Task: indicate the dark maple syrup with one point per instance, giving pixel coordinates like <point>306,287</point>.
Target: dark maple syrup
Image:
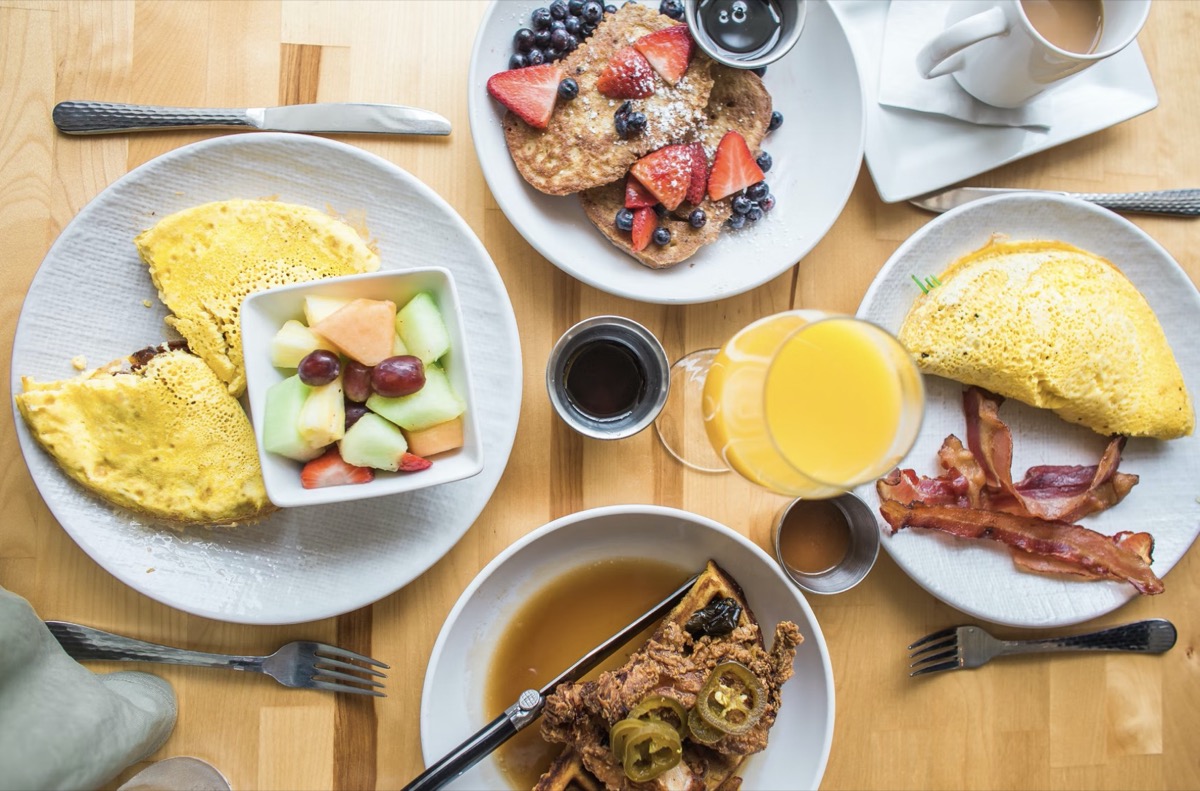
<point>741,26</point>
<point>605,379</point>
<point>814,536</point>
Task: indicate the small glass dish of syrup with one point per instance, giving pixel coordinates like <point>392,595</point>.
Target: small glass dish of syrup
<point>608,377</point>
<point>826,546</point>
<point>745,34</point>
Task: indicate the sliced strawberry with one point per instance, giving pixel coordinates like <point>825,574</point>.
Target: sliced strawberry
<point>668,50</point>
<point>330,470</point>
<point>529,92</point>
<point>644,222</point>
<point>411,462</point>
<point>637,196</point>
<point>699,183</point>
<point>733,167</point>
<point>666,173</point>
<point>627,76</point>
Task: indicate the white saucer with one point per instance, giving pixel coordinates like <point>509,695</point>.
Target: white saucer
<point>910,153</point>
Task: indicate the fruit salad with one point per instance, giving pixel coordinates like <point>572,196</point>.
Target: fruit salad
<point>368,392</point>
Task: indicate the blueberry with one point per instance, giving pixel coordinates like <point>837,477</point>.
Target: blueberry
<point>672,8</point>
<point>761,71</point>
<point>572,25</point>
<point>575,7</point>
<point>776,121</point>
<point>621,122</point>
<point>636,123</point>
<point>541,39</point>
<point>754,215</point>
<point>764,162</point>
<point>518,61</point>
<point>558,9</point>
<point>568,89</point>
<point>572,43</point>
<point>660,210</point>
<point>757,192</point>
<point>741,204</point>
<point>541,18</point>
<point>662,235</point>
<point>767,203</point>
<point>697,218</point>
<point>558,39</point>
<point>624,220</point>
<point>557,24</point>
<point>610,9</point>
<point>536,57</point>
<point>592,12</point>
<point>587,30</point>
<point>523,40</point>
<point>736,221</point>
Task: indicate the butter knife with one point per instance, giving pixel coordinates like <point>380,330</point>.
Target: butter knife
<point>95,118</point>
<point>529,706</point>
<point>1181,203</point>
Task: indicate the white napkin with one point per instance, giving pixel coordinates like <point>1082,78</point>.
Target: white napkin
<point>61,725</point>
<point>912,23</point>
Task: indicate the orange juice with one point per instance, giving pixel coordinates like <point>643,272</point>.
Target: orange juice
<point>809,405</point>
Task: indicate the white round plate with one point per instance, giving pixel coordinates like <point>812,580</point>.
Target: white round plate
<point>452,700</point>
<point>978,577</point>
<point>298,564</point>
<point>817,153</point>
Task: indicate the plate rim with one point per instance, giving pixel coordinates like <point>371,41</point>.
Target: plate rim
<point>28,444</point>
<point>660,511</point>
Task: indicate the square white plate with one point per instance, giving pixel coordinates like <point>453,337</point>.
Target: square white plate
<point>910,153</point>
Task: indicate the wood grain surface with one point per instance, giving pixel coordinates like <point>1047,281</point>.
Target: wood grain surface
<point>1112,721</point>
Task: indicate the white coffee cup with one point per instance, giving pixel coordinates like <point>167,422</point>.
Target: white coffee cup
<point>997,56</point>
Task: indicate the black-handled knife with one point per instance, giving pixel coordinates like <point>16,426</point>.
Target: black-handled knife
<point>529,706</point>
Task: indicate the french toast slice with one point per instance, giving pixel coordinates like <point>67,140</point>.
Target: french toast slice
<point>738,102</point>
<point>580,148</point>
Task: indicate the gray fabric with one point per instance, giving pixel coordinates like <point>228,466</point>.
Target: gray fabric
<point>61,725</point>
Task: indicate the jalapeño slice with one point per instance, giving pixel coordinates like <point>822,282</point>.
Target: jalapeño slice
<point>651,750</point>
<point>701,731</point>
<point>660,708</point>
<point>733,699</point>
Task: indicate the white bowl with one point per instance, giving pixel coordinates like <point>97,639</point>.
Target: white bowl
<point>262,315</point>
<point>452,701</point>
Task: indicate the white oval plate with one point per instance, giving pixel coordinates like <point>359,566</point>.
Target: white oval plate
<point>298,564</point>
<point>978,577</point>
<point>817,154</point>
<point>452,700</point>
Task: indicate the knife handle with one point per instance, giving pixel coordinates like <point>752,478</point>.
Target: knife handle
<point>466,755</point>
<point>1184,202</point>
<point>94,118</point>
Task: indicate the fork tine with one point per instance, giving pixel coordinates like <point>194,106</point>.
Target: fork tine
<point>323,673</point>
<point>331,687</point>
<point>935,668</point>
<point>322,661</point>
<point>947,643</point>
<point>949,630</point>
<point>925,660</point>
<point>342,653</point>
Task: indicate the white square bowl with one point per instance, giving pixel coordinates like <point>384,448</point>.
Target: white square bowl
<point>264,312</point>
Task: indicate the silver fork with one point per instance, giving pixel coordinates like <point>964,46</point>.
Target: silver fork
<point>965,647</point>
<point>302,664</point>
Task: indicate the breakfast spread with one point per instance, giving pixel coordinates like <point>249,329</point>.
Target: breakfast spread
<point>1056,327</point>
<point>205,260</point>
<point>661,143</point>
<point>368,392</point>
<point>157,433</point>
<point>685,710</point>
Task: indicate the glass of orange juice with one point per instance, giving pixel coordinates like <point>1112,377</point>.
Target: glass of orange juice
<point>805,403</point>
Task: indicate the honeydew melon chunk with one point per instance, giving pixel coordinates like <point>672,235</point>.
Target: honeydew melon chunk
<point>434,403</point>
<point>281,420</point>
<point>398,346</point>
<point>373,442</point>
<point>322,419</point>
<point>436,439</point>
<point>362,329</point>
<point>317,308</point>
<point>293,342</point>
<point>421,328</point>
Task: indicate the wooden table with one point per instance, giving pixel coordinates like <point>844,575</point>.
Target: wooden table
<point>1094,722</point>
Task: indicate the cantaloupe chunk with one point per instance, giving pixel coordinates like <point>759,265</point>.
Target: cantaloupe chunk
<point>363,329</point>
<point>436,439</point>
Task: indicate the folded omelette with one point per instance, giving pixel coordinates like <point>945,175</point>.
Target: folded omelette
<point>1055,327</point>
<point>205,260</point>
<point>158,434</point>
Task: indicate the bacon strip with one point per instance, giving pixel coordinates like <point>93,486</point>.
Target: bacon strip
<point>1141,544</point>
<point>1072,545</point>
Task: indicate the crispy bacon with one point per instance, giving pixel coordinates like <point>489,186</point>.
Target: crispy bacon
<point>1141,544</point>
<point>1074,547</point>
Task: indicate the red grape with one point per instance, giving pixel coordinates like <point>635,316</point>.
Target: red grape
<point>398,376</point>
<point>356,385</point>
<point>354,412</point>
<point>319,367</point>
